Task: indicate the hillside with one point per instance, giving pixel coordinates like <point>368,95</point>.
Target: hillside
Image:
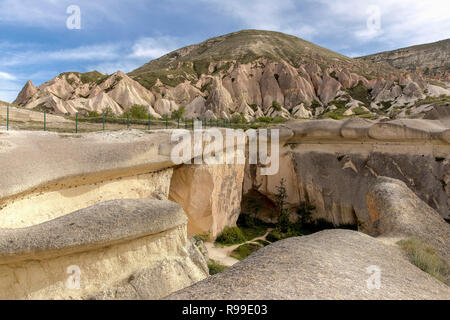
<point>244,47</point>
<point>431,59</point>
<point>246,75</point>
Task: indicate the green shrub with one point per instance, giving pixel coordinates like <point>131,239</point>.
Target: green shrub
<point>245,250</point>
<point>315,104</point>
<point>252,227</point>
<point>239,118</point>
<point>359,111</point>
<point>426,258</point>
<point>334,116</point>
<point>93,114</point>
<point>276,105</point>
<point>215,267</point>
<point>277,234</point>
<point>179,114</point>
<point>203,237</point>
<point>136,112</point>
<point>360,93</point>
<point>231,236</point>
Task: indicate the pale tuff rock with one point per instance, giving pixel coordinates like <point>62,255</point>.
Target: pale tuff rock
<point>436,91</point>
<point>270,89</point>
<point>273,113</point>
<point>219,100</point>
<point>196,108</point>
<point>333,175</point>
<point>395,211</point>
<point>209,194</point>
<point>26,94</point>
<point>331,264</point>
<point>165,107</point>
<point>295,89</point>
<point>67,94</point>
<point>111,244</point>
<point>328,89</point>
<point>127,92</point>
<point>243,84</point>
<point>301,112</point>
<point>183,94</point>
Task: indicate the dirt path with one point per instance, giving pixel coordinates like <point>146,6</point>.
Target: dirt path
<point>222,254</point>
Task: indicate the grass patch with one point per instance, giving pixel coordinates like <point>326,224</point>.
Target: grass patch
<point>245,250</point>
<point>426,258</point>
<point>215,267</point>
<point>359,111</point>
<point>360,93</point>
<point>276,105</point>
<point>202,237</point>
<point>252,227</point>
<point>263,242</point>
<point>231,236</point>
<point>441,101</point>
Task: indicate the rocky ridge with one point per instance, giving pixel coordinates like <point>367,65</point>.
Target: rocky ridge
<point>247,74</point>
<point>431,59</point>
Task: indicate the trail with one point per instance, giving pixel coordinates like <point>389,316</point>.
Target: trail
<point>222,254</point>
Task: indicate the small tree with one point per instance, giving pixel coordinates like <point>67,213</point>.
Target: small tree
<point>136,112</point>
<point>280,197</point>
<point>276,105</point>
<point>179,114</point>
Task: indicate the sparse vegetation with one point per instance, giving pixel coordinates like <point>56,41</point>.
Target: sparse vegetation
<point>215,267</point>
<point>231,236</point>
<point>245,250</point>
<point>426,258</point>
<point>271,120</point>
<point>442,100</point>
<point>276,105</point>
<point>136,112</point>
<point>179,114</point>
<point>202,237</point>
<point>360,93</point>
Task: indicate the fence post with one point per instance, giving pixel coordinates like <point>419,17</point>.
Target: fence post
<point>76,122</point>
<point>185,124</point>
<point>45,120</point>
<point>7,118</point>
<point>193,124</point>
<point>128,121</point>
<point>103,121</point>
<point>167,121</point>
<point>149,124</point>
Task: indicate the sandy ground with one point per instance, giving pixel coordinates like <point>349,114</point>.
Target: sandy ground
<point>222,254</point>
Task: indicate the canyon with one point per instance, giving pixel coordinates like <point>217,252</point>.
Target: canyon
<point>115,205</point>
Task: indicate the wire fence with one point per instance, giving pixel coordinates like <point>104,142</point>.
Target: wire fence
<point>22,119</point>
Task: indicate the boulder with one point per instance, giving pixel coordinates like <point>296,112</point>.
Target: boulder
<point>395,211</point>
<point>332,264</point>
<point>118,248</point>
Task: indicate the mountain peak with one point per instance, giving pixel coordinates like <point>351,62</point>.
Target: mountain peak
<point>28,91</point>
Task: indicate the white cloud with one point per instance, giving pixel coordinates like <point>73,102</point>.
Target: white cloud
<point>9,88</point>
<point>151,48</point>
<point>7,76</point>
<point>402,22</point>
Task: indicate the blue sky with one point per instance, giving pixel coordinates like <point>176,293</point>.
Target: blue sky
<point>36,44</point>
